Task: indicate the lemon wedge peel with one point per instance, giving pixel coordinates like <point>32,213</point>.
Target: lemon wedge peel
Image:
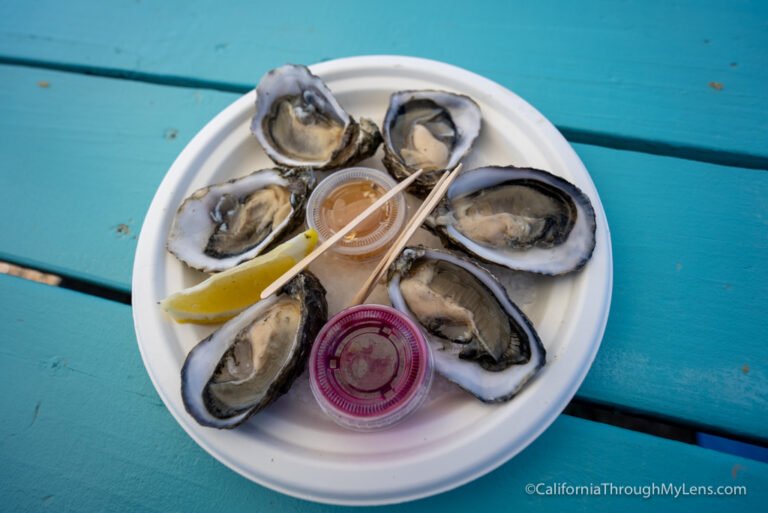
<point>223,295</point>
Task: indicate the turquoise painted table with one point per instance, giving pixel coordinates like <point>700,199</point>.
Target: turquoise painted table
<point>665,102</point>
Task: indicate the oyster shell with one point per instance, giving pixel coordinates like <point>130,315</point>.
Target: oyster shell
<point>479,338</point>
<point>222,225</point>
<point>430,130</point>
<point>524,219</point>
<point>254,358</point>
<point>299,123</point>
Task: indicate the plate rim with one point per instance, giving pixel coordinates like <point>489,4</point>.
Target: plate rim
<point>355,65</point>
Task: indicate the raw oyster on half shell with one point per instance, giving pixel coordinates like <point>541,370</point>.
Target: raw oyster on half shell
<point>524,219</point>
<point>299,123</point>
<point>222,225</point>
<point>479,338</point>
<point>254,358</point>
<point>430,130</point>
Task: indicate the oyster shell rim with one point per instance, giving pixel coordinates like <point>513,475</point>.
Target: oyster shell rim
<point>442,360</point>
<point>176,240</point>
<point>359,140</point>
<point>585,225</point>
<point>314,314</point>
<point>393,161</point>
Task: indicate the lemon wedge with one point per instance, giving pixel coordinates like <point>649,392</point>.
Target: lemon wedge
<point>224,295</point>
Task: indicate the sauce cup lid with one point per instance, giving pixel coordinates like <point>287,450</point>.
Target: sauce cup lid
<point>370,366</point>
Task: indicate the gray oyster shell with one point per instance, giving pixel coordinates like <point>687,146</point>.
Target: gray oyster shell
<point>479,338</point>
<point>222,225</point>
<point>427,129</point>
<point>521,218</point>
<point>254,358</point>
<point>299,123</point>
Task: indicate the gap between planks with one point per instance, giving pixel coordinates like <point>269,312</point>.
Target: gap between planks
<point>572,134</point>
<point>55,278</point>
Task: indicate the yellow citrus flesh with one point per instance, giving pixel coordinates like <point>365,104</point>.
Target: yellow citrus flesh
<point>224,295</point>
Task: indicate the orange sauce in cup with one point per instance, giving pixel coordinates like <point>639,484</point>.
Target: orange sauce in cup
<point>347,201</point>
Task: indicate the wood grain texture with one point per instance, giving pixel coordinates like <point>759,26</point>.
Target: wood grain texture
<point>686,77</point>
<point>689,239</point>
<point>85,431</point>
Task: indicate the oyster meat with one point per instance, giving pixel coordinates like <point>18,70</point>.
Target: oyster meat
<point>524,219</point>
<point>254,358</point>
<point>479,338</point>
<point>299,123</point>
<point>222,225</point>
<point>430,130</point>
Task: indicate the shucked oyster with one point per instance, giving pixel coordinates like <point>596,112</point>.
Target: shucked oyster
<point>254,358</point>
<point>299,123</point>
<point>219,226</point>
<point>430,130</point>
<point>524,219</point>
<point>479,338</point>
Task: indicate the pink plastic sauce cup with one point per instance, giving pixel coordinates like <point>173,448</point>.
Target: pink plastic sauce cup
<point>370,366</point>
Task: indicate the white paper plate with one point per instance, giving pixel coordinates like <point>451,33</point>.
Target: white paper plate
<point>291,446</point>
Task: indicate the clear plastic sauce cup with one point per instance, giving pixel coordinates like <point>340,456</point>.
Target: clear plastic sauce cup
<point>370,366</point>
<point>344,194</point>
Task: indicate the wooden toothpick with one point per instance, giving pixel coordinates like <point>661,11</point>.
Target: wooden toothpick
<point>424,210</point>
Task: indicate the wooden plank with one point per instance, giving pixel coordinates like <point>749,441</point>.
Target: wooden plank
<point>686,333</point>
<point>684,77</point>
<point>81,160</point>
<point>684,233</point>
<point>85,431</point>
